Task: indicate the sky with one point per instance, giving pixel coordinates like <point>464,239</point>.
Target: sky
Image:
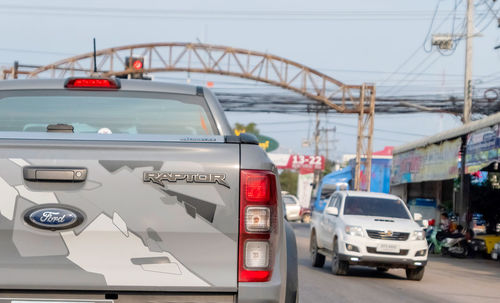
<point>386,42</point>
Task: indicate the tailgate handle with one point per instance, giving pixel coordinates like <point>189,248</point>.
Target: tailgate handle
<point>50,174</point>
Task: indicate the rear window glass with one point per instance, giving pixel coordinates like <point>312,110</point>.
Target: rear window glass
<point>106,112</point>
<point>377,207</point>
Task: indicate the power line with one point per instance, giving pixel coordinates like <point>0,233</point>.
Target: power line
<point>18,50</point>
<point>342,124</point>
<point>412,55</point>
<point>430,27</point>
<point>490,8</point>
<point>272,15</point>
<point>337,132</point>
<point>413,71</point>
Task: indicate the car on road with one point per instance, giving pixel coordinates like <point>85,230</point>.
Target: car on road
<point>133,191</point>
<point>292,207</point>
<point>293,210</point>
<point>370,229</point>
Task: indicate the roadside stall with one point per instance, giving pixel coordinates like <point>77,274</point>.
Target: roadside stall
<point>458,170</point>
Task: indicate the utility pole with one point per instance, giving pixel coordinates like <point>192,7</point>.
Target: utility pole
<point>464,181</point>
<point>326,140</point>
<point>316,149</point>
<point>360,146</point>
<point>468,62</point>
<point>316,135</point>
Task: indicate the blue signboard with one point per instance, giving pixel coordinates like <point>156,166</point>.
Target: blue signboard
<point>482,148</point>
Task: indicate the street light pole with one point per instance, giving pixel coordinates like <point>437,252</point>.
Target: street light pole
<point>468,62</point>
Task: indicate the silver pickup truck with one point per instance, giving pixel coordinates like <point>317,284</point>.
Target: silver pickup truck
<point>135,191</point>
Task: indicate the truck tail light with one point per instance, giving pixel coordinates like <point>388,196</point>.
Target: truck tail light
<point>258,225</point>
<point>257,219</point>
<point>91,83</point>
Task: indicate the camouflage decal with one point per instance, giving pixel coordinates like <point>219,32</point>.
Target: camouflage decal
<point>117,251</point>
<point>37,197</point>
<point>10,171</point>
<point>155,260</point>
<point>8,200</point>
<point>195,206</point>
<point>153,240</point>
<point>115,165</point>
<point>120,224</point>
<point>19,162</point>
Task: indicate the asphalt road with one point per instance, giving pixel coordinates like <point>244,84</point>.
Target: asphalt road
<point>446,279</point>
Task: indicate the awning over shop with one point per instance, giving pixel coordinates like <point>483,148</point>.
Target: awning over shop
<point>450,134</point>
<point>436,157</point>
<point>433,162</point>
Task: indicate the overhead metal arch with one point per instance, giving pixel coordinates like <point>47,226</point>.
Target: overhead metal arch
<point>223,60</point>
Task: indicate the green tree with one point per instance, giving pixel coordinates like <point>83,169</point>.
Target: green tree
<point>329,165</point>
<point>288,181</point>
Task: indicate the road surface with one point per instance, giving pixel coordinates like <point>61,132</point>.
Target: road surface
<point>445,280</point>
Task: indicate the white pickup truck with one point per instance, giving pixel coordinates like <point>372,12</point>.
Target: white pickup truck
<point>370,229</point>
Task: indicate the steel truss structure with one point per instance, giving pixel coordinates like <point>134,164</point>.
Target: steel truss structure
<point>328,92</point>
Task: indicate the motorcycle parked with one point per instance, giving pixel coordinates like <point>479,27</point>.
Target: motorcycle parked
<point>458,244</point>
<point>434,245</point>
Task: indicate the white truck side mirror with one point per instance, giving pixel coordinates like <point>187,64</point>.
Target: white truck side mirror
<point>332,211</point>
<point>417,217</point>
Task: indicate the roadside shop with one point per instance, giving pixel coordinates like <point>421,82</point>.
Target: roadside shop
<point>456,170</point>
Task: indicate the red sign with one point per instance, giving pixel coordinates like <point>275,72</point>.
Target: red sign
<point>299,162</point>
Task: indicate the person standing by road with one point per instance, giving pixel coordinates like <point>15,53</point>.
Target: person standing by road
<point>444,226</point>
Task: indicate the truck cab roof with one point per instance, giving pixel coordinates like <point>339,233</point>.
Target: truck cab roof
<point>354,193</point>
<point>125,84</point>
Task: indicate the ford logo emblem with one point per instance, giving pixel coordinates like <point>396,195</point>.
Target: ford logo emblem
<point>53,217</point>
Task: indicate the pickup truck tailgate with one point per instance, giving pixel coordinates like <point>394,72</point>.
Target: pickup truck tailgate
<point>149,216</point>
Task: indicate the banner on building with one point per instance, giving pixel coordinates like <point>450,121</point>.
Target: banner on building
<point>483,148</point>
<point>300,162</point>
<point>434,162</point>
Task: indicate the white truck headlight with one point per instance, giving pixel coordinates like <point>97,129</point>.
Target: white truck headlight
<point>354,230</point>
<point>418,235</point>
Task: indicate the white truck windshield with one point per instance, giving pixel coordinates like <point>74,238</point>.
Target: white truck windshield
<point>377,207</point>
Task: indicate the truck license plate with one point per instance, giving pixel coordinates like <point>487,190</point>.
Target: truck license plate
<point>389,248</point>
<point>494,256</point>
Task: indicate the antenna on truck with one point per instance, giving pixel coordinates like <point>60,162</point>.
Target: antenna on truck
<point>95,59</point>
